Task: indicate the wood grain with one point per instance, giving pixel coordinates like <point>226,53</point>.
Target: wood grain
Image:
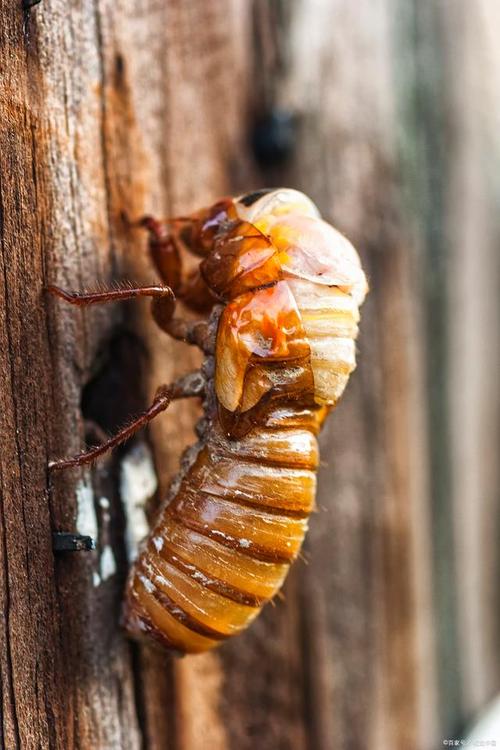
<point>387,632</point>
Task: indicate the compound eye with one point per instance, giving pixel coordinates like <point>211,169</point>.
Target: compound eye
<point>248,199</point>
<point>276,201</point>
<point>250,206</point>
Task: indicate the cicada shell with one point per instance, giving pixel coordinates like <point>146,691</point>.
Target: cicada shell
<point>285,289</point>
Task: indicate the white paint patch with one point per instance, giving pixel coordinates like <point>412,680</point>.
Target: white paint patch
<point>107,563</point>
<point>86,519</point>
<point>158,543</point>
<point>96,579</point>
<point>104,503</point>
<point>138,483</point>
<point>245,543</point>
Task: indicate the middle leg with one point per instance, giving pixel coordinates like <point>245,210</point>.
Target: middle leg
<point>165,246</point>
<point>84,299</point>
<point>163,306</point>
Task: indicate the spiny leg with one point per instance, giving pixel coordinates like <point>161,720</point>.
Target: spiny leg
<point>190,385</point>
<point>163,306</point>
<point>83,299</point>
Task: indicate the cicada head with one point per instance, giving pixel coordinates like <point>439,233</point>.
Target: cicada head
<point>308,247</point>
<point>243,257</point>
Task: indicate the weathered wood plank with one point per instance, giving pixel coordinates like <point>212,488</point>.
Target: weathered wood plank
<point>387,636</point>
<point>32,701</point>
<point>78,80</point>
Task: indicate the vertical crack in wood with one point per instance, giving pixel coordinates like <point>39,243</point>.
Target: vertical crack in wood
<point>104,132</point>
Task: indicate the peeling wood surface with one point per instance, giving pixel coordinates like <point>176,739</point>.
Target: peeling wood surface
<point>388,636</point>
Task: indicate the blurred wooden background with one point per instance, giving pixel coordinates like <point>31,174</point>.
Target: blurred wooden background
<point>389,636</point>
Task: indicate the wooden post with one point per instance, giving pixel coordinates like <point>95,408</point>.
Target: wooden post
<point>113,108</point>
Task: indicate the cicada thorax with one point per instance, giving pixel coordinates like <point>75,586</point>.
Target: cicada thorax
<point>262,353</point>
<point>284,349</point>
<point>292,285</point>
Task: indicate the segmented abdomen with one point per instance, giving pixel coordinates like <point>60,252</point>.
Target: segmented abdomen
<point>223,545</point>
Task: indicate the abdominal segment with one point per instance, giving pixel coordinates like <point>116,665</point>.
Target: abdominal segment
<point>223,546</point>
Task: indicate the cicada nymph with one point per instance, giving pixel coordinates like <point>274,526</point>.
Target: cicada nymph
<point>279,290</point>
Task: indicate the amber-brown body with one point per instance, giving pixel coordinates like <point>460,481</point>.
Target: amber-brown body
<point>280,289</point>
<point>237,514</point>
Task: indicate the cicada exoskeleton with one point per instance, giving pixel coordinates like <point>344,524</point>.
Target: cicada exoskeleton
<point>279,289</point>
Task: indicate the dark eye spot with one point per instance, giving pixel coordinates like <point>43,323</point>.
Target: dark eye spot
<point>250,198</point>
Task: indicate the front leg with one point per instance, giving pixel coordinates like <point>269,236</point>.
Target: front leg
<point>164,250</point>
<point>167,245</point>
